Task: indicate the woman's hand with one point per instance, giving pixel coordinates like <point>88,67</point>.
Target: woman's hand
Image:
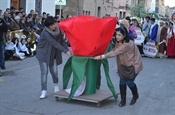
<point>69,53</point>
<point>97,57</point>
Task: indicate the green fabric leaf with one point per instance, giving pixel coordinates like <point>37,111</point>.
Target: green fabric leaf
<point>67,71</point>
<point>109,82</point>
<point>98,82</point>
<point>79,69</point>
<point>79,65</point>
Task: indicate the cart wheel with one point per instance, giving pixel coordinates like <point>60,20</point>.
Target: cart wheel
<point>57,98</point>
<point>98,104</point>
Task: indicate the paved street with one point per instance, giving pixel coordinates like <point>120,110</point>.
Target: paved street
<point>20,91</point>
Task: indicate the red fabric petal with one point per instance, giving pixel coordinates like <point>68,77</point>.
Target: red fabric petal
<point>88,36</point>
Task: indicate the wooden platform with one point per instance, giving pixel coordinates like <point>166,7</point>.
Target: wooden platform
<point>98,97</point>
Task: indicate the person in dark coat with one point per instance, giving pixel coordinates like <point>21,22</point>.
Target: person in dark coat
<point>14,25</point>
<point>23,26</point>
<point>49,53</point>
<point>163,35</point>
<point>3,31</point>
<point>7,19</point>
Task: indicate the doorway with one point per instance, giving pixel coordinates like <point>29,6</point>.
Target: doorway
<point>15,4</point>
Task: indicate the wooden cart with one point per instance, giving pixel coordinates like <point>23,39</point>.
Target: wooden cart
<point>98,97</point>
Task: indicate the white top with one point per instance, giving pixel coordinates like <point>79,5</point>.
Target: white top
<point>150,32</point>
<point>10,46</point>
<point>22,47</point>
<point>169,32</point>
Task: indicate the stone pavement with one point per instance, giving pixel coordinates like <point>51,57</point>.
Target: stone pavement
<point>20,91</point>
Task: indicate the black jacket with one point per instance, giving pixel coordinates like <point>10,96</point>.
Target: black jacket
<point>3,29</point>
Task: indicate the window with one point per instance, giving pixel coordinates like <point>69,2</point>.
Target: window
<point>124,14</point>
<point>157,10</point>
<point>99,12</point>
<point>89,13</point>
<point>120,16</point>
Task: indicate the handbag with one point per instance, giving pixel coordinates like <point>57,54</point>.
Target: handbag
<point>127,72</point>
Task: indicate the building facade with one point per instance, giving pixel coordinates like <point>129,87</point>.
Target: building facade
<point>37,5</point>
<point>99,8</point>
<point>160,8</point>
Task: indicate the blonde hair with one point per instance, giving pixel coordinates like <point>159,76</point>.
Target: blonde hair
<point>125,23</point>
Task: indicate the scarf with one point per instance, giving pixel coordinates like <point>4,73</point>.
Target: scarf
<point>150,32</point>
<point>55,32</point>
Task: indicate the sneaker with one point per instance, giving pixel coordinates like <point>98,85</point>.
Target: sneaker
<point>56,88</point>
<point>43,94</point>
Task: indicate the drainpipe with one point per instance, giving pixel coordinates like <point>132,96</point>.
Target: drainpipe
<point>95,7</point>
<point>78,7</point>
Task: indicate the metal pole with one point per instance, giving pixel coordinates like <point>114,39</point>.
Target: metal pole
<point>60,12</point>
<point>95,7</point>
<point>78,7</point>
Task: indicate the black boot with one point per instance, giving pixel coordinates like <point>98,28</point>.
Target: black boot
<point>123,95</point>
<point>135,94</point>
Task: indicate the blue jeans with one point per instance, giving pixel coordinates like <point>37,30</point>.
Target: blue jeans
<point>44,72</point>
<point>2,54</point>
<point>129,83</point>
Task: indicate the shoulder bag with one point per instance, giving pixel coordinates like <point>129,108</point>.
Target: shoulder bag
<point>127,72</point>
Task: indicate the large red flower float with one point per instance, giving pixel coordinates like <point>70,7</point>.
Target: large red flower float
<point>88,36</point>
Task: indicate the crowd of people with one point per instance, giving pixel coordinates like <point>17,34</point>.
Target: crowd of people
<point>19,34</point>
<point>20,38</point>
<point>161,34</point>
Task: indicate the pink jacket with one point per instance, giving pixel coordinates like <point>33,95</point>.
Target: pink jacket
<point>131,28</point>
<point>127,54</point>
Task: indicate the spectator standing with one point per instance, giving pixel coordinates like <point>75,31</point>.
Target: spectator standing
<point>137,26</point>
<point>23,26</point>
<point>152,36</point>
<point>163,35</point>
<point>28,23</point>
<point>7,19</point>
<point>14,25</point>
<point>125,23</point>
<point>131,29</point>
<point>146,26</point>
<point>39,23</point>
<point>3,31</point>
<point>1,15</point>
<point>170,51</point>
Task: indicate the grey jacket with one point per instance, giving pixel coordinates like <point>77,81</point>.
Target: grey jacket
<point>50,48</point>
